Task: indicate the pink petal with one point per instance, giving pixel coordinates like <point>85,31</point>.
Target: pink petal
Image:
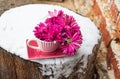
<point>75,37</point>
<point>51,13</point>
<point>76,45</point>
<point>55,12</point>
<point>70,50</point>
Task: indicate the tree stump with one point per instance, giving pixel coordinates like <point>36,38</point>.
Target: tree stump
<point>17,24</point>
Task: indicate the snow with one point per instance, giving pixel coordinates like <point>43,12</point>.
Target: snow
<point>17,24</point>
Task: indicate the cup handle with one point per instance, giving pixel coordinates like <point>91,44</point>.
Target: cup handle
<point>31,46</point>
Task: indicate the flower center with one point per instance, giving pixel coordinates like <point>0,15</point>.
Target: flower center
<point>68,41</point>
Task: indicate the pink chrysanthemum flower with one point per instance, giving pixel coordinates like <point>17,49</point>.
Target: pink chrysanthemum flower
<point>61,28</point>
<point>72,44</point>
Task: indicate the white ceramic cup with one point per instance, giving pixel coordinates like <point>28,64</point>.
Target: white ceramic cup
<point>43,45</point>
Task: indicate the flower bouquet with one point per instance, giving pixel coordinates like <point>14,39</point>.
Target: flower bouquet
<point>60,28</point>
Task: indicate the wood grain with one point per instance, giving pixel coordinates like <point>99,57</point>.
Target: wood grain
<point>13,67</point>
